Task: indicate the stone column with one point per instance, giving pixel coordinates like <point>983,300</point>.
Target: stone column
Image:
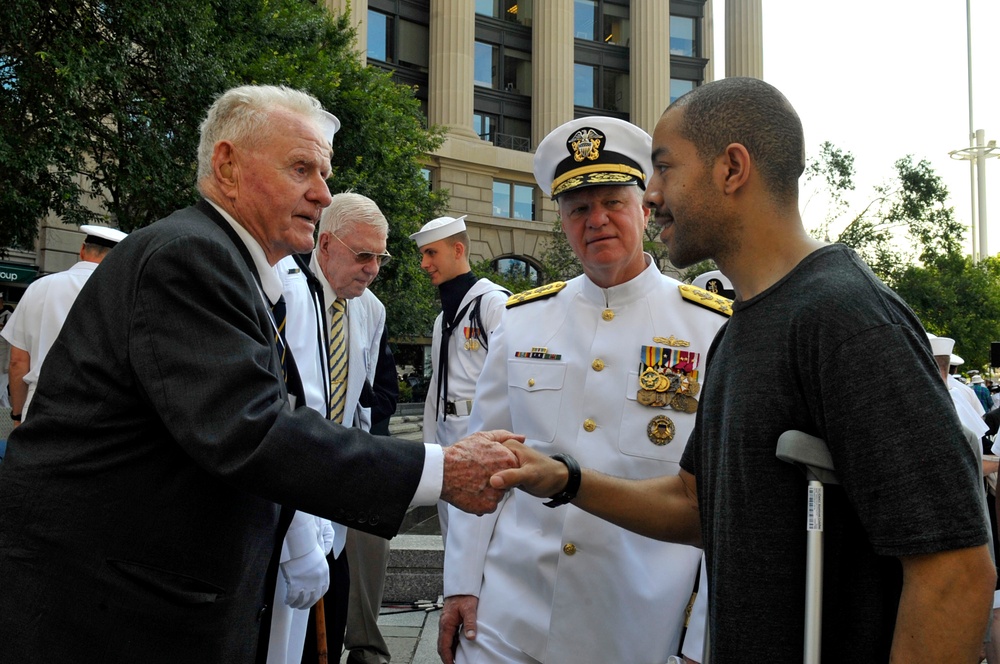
<point>452,55</point>
<point>708,41</point>
<point>744,38</point>
<point>359,19</point>
<point>551,66</point>
<point>649,61</point>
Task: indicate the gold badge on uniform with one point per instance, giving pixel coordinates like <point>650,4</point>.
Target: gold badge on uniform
<point>668,378</point>
<point>660,430</point>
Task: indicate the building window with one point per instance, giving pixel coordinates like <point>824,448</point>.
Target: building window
<point>484,125</point>
<point>682,36</point>
<point>513,200</point>
<point>485,65</point>
<point>517,268</point>
<point>380,36</point>
<point>398,41</point>
<point>678,87</point>
<point>602,21</point>
<point>502,77</point>
<point>517,11</point>
<point>585,19</point>
<point>428,176</point>
<point>601,87</point>
<point>584,85</point>
<point>502,68</point>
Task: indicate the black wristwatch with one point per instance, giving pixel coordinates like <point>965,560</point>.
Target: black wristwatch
<point>15,418</point>
<point>572,485</point>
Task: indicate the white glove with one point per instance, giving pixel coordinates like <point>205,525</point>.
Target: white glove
<point>303,562</point>
<point>308,578</point>
<point>326,534</point>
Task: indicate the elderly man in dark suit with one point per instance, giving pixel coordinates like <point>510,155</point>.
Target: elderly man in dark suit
<point>141,504</point>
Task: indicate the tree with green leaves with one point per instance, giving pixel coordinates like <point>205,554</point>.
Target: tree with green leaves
<point>102,104</point>
<point>911,239</point>
<point>907,219</point>
<point>954,297</point>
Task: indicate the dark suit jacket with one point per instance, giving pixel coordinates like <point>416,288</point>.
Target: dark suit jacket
<point>139,502</point>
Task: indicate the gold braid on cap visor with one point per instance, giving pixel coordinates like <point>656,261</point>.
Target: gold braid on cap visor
<point>562,182</point>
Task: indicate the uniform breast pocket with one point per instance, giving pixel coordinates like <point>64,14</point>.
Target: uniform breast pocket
<point>652,432</point>
<point>535,391</point>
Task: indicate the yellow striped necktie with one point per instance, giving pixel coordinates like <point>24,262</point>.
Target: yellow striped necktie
<point>338,361</point>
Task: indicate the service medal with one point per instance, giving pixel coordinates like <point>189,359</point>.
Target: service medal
<point>660,430</point>
<point>684,403</point>
<point>649,379</point>
<point>646,397</point>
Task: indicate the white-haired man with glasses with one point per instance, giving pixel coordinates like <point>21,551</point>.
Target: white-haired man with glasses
<point>350,249</point>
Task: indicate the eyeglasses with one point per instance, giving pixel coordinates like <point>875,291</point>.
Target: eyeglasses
<point>366,256</point>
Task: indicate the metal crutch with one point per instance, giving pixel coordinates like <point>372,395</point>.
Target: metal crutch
<point>811,455</point>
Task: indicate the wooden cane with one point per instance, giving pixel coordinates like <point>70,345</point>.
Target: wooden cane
<point>320,614</point>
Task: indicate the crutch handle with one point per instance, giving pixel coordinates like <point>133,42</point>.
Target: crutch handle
<point>809,453</point>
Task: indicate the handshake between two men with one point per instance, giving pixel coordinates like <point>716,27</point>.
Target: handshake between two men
<point>470,463</point>
<point>480,468</point>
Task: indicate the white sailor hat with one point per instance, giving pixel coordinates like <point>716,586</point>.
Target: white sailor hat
<point>716,282</point>
<point>941,345</point>
<point>956,360</point>
<point>330,125</point>
<point>102,235</point>
<point>438,229</point>
<point>591,151</point>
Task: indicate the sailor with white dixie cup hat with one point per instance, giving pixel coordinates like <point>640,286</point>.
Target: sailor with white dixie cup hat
<point>471,310</point>
<point>40,315</point>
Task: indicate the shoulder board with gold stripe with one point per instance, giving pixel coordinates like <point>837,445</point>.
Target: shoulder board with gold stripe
<point>540,293</point>
<point>703,298</point>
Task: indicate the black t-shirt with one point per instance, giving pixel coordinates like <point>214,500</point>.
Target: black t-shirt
<point>831,351</point>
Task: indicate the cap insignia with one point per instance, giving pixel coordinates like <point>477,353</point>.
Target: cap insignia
<point>585,144</point>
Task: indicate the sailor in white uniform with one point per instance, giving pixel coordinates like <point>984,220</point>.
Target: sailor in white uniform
<point>471,310</point>
<point>35,324</point>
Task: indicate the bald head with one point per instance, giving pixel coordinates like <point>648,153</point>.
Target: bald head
<point>754,114</point>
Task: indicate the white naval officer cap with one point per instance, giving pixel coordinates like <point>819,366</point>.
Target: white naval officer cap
<point>941,345</point>
<point>330,124</point>
<point>438,229</point>
<point>715,282</point>
<point>590,151</point>
<point>102,235</point>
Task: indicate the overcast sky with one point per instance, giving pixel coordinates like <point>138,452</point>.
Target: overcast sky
<point>886,78</point>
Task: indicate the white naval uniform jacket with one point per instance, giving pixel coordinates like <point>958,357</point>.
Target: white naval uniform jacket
<point>39,317</point>
<point>561,584</point>
<point>464,364</point>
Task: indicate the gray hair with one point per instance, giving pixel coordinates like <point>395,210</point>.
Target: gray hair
<point>350,208</point>
<point>242,116</point>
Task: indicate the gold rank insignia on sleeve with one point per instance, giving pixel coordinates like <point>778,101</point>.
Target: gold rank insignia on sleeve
<point>703,298</point>
<point>540,293</point>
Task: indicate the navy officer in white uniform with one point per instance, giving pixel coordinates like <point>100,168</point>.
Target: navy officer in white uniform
<point>603,370</point>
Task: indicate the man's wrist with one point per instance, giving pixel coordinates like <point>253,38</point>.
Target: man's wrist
<point>572,483</point>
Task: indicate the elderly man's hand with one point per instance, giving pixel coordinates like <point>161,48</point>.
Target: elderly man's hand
<point>468,466</point>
